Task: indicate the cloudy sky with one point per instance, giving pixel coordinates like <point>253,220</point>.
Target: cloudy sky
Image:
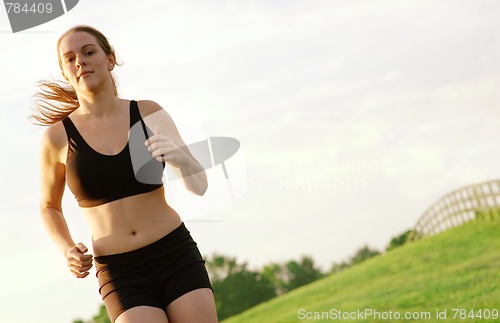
<point>353,118</point>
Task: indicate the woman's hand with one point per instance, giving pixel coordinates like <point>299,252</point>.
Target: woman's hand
<point>163,149</point>
<point>79,262</point>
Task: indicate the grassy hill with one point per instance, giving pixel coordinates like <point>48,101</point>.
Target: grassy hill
<point>457,269</point>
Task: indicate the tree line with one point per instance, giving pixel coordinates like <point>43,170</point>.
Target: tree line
<point>238,288</point>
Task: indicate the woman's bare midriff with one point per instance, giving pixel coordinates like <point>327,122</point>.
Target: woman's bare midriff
<point>130,223</point>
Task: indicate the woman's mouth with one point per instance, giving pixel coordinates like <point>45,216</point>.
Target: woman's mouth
<point>85,74</point>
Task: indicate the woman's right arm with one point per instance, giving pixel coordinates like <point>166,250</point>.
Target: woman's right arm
<point>53,180</point>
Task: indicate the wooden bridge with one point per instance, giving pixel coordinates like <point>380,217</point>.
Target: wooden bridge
<point>477,201</point>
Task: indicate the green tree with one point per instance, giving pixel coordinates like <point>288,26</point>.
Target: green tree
<point>338,267</point>
<point>219,266</point>
<point>240,291</point>
<point>102,317</point>
<point>398,241</point>
<point>292,274</point>
<point>363,254</point>
<point>236,288</point>
<point>301,273</point>
<point>277,275</point>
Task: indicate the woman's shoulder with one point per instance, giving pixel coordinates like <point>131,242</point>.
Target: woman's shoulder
<point>155,115</point>
<point>148,107</point>
<point>55,136</point>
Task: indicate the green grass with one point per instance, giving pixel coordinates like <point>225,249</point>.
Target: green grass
<point>459,268</point>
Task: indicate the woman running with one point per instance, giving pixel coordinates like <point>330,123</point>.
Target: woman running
<point>148,266</point>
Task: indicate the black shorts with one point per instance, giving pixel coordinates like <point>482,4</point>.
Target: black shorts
<point>154,275</point>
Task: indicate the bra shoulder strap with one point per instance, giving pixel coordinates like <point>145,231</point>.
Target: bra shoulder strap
<point>70,128</point>
<point>135,116</point>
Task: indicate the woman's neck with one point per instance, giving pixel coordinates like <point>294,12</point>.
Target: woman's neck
<point>99,105</point>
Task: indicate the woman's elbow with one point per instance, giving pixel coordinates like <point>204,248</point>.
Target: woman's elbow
<point>200,186</point>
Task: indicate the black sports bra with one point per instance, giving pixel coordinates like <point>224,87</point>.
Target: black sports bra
<point>97,179</point>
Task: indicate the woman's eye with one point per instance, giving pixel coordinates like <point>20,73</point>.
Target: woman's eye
<point>89,53</point>
<point>69,60</point>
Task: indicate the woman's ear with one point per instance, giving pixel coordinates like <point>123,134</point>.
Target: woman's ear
<point>111,62</point>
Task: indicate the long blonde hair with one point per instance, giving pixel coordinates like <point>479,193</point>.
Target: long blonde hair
<point>56,100</point>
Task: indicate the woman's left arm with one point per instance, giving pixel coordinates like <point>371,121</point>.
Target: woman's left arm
<point>166,145</point>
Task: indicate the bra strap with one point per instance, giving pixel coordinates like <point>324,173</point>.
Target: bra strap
<point>135,116</point>
<point>71,131</point>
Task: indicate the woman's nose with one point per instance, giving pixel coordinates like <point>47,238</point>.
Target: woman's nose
<point>80,61</point>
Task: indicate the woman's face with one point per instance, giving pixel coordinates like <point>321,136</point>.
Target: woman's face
<point>84,63</point>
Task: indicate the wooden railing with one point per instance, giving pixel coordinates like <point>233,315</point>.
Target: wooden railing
<point>478,201</point>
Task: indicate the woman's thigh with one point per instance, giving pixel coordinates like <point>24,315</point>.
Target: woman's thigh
<point>196,306</point>
<point>140,314</point>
